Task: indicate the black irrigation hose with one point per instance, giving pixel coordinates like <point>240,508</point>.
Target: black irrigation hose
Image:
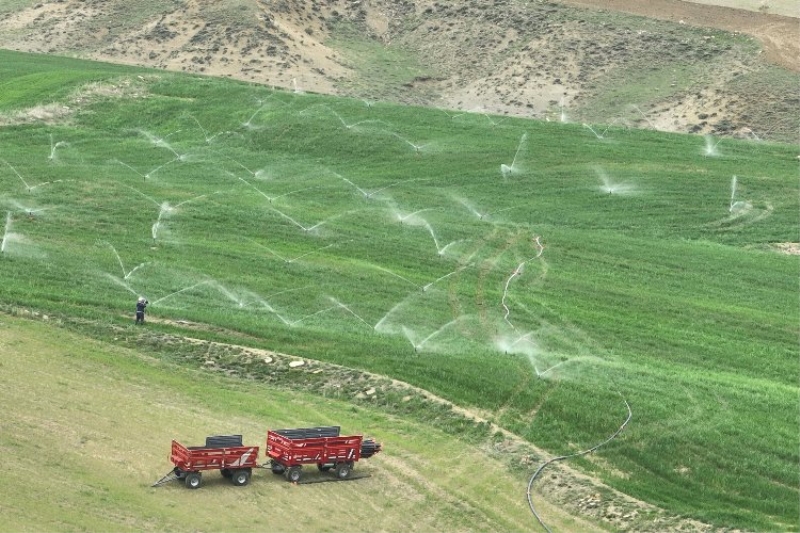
<point>562,457</point>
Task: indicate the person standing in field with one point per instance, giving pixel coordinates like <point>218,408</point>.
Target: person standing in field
<point>141,304</point>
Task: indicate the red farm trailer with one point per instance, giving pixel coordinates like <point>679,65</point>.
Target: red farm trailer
<point>290,449</point>
<point>223,452</point>
<point>287,449</point>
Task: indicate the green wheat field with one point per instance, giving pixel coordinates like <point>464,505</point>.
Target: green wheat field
<point>540,273</point>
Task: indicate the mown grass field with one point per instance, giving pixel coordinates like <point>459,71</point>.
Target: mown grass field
<point>540,272</point>
<point>90,432</point>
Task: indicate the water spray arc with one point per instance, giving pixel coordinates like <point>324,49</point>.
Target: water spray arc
<point>30,211</point>
<point>164,208</point>
<point>54,147</point>
<point>185,289</point>
<point>161,142</point>
<point>125,274</point>
<point>308,229</point>
<point>290,219</point>
<point>710,149</point>
<point>418,345</point>
<point>373,193</point>
<point>208,138</point>
<point>292,260</point>
<point>598,135</point>
<point>6,233</point>
<point>478,214</point>
<point>416,147</point>
<point>346,308</point>
<point>609,187</point>
<point>508,170</point>
<point>735,205</point>
<point>310,253</point>
<point>294,192</point>
<point>248,124</point>
<point>442,278</point>
<point>470,208</point>
<point>395,274</point>
<point>28,187</point>
<point>410,216</point>
<point>121,283</point>
<point>364,193</point>
<point>380,322</point>
<point>440,250</point>
<point>492,121</point>
<point>149,175</point>
<point>653,126</point>
<point>256,174</point>
<point>228,294</point>
<point>301,319</point>
<point>259,191</point>
<point>353,125</point>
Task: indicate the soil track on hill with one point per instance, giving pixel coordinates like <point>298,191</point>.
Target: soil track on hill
<point>779,35</point>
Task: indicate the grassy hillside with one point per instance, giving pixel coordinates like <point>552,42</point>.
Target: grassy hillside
<point>538,272</point>
<point>91,425</point>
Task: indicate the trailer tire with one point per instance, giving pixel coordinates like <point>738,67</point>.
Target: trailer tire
<point>240,478</point>
<point>226,473</point>
<point>193,480</point>
<point>343,470</point>
<point>294,473</point>
<point>277,468</point>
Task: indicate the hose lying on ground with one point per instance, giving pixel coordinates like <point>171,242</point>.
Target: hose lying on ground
<point>577,454</point>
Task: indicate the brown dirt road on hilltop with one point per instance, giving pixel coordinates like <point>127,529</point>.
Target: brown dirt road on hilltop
<point>779,35</point>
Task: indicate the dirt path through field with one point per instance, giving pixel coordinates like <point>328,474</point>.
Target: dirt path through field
<point>779,35</point>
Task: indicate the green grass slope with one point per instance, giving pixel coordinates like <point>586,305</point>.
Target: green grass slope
<point>87,428</point>
<point>540,272</point>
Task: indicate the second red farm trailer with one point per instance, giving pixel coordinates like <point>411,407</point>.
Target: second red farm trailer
<point>290,449</point>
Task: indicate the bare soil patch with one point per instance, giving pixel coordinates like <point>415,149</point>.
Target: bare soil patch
<point>789,248</point>
<point>779,34</point>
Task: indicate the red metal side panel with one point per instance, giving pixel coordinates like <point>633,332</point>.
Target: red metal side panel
<point>180,456</point>
<point>193,459</point>
<point>292,452</point>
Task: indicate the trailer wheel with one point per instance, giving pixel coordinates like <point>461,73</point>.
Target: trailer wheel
<point>293,474</point>
<point>240,478</point>
<point>343,470</point>
<point>277,468</point>
<point>193,480</point>
<point>324,468</point>
<point>226,473</point>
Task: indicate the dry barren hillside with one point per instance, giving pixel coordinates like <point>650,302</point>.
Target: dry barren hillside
<point>660,64</point>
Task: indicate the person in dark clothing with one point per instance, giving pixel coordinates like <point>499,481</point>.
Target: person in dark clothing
<point>141,304</point>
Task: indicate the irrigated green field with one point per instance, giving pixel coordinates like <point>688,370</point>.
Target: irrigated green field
<point>543,273</point>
